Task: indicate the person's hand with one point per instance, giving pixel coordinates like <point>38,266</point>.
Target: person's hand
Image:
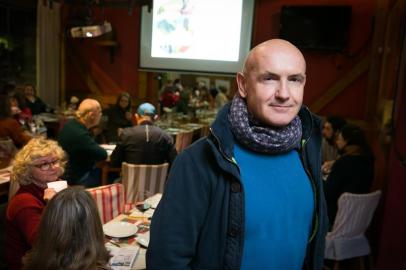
<point>49,193</point>
<point>128,115</point>
<point>326,167</point>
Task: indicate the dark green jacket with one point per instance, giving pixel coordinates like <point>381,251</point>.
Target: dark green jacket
<point>82,150</point>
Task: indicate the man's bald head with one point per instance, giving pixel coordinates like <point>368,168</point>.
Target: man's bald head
<point>89,112</point>
<point>272,47</point>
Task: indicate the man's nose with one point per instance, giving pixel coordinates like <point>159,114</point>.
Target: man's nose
<point>282,92</point>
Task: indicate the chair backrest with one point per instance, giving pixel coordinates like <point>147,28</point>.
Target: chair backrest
<point>110,200</point>
<point>355,212</point>
<point>141,180</point>
<point>183,140</point>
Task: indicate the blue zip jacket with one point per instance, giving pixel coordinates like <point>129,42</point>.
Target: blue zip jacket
<point>199,223</point>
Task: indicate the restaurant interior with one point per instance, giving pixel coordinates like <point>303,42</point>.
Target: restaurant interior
<point>358,73</point>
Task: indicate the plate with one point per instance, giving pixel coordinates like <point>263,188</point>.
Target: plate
<point>119,229</point>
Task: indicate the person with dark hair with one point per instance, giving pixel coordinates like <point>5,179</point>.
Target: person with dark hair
<point>39,162</point>
<point>119,116</point>
<point>9,127</point>
<point>35,104</point>
<point>353,171</point>
<point>329,154</point>
<point>19,109</point>
<point>144,143</point>
<point>70,235</point>
<point>249,195</point>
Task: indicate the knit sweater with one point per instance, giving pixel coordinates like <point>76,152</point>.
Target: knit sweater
<point>83,151</point>
<point>22,219</point>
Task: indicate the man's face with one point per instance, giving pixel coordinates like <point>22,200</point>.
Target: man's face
<point>327,131</point>
<point>97,114</point>
<point>273,86</point>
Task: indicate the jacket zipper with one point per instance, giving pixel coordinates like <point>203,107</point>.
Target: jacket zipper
<point>232,160</point>
<point>316,221</point>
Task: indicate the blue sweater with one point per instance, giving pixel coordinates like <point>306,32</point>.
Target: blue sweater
<point>278,209</point>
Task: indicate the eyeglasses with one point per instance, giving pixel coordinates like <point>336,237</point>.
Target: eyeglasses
<point>46,166</point>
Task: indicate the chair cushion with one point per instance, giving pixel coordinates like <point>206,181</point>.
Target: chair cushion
<point>344,248</point>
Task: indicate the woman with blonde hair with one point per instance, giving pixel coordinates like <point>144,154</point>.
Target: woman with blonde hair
<point>39,162</point>
<point>70,234</point>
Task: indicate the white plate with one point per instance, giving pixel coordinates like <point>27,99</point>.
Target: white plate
<point>119,229</point>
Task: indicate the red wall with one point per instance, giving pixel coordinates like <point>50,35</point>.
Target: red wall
<point>392,252</point>
<point>112,77</point>
<point>323,69</point>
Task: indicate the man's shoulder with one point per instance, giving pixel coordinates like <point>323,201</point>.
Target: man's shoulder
<point>71,130</point>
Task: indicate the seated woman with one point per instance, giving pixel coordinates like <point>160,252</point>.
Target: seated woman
<point>76,241</point>
<point>19,109</point>
<point>35,104</point>
<point>9,127</point>
<point>119,117</point>
<point>353,171</point>
<point>39,162</point>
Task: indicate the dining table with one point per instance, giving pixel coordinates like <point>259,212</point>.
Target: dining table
<point>132,229</point>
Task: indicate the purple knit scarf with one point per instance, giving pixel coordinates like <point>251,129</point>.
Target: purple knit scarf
<point>259,138</point>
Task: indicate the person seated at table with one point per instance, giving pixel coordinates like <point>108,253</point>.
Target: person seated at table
<point>35,104</point>
<point>72,106</point>
<point>353,171</point>
<point>329,151</point>
<point>144,143</point>
<point>75,241</point>
<point>219,99</point>
<point>83,151</point>
<point>19,109</point>
<point>10,127</point>
<point>39,162</point>
<point>119,116</point>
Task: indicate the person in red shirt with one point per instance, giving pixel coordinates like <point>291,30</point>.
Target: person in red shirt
<point>39,162</point>
<point>10,127</point>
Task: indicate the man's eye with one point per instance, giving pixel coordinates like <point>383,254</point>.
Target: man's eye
<point>296,79</point>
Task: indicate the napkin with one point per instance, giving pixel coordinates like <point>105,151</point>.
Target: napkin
<point>58,185</point>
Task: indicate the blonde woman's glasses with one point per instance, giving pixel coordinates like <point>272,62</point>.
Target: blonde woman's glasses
<point>46,166</point>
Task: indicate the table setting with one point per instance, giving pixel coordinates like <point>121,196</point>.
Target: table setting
<point>127,235</point>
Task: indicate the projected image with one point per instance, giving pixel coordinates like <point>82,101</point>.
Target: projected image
<point>197,29</point>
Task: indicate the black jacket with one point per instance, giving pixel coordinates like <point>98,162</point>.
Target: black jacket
<point>134,147</point>
<point>199,223</point>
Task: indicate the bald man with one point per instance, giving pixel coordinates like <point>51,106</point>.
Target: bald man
<point>83,151</point>
<point>249,196</point>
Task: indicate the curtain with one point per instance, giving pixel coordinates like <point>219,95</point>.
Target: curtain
<point>49,52</point>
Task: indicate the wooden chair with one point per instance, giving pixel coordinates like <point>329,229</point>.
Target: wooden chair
<point>183,140</point>
<point>141,180</point>
<point>110,200</point>
<point>347,239</point>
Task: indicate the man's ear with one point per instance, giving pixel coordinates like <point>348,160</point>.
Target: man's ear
<point>155,117</point>
<point>241,84</point>
<point>137,117</point>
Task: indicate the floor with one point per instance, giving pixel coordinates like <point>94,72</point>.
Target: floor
<point>351,264</point>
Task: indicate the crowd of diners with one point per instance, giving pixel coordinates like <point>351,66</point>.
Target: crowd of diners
<point>254,127</point>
